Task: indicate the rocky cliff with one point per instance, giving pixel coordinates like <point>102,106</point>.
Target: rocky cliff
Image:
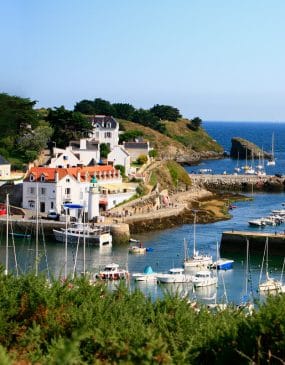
<point>242,148</point>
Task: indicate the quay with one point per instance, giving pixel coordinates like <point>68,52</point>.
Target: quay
<point>238,182</point>
<point>235,242</point>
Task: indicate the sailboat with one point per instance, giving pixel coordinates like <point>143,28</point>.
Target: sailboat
<point>271,162</point>
<point>270,284</point>
<point>197,260</point>
<point>246,300</point>
<point>237,168</point>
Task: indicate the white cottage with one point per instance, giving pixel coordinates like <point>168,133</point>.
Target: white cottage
<point>5,169</point>
<point>119,156</point>
<point>105,130</point>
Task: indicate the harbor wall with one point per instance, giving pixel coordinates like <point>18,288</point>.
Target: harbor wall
<point>235,242</point>
<point>119,231</point>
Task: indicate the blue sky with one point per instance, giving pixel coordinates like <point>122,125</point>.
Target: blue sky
<point>217,59</point>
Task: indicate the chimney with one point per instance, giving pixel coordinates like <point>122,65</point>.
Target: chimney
<point>56,176</point>
<point>78,176</point>
<point>83,144</point>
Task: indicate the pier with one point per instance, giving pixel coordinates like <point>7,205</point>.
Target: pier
<point>235,242</point>
<point>238,182</point>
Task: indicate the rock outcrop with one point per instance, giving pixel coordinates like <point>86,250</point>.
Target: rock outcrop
<point>241,148</point>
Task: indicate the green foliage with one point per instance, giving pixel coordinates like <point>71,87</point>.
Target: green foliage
<point>195,123</point>
<point>146,118</point>
<point>78,323</point>
<point>141,189</point>
<point>122,169</point>
<point>67,125</point>
<point>97,106</point>
<point>178,173</point>
<point>129,136</point>
<point>104,150</point>
<point>123,111</point>
<point>142,159</point>
<point>152,153</point>
<point>165,112</point>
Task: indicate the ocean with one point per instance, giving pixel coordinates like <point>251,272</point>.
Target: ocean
<point>168,245</point>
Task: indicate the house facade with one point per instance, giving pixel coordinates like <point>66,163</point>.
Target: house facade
<point>53,187</point>
<point>5,169</point>
<point>136,149</point>
<point>119,156</point>
<point>105,130</point>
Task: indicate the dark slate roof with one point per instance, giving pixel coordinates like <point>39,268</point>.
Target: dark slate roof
<point>138,145</point>
<point>90,145</point>
<point>104,121</point>
<point>3,161</point>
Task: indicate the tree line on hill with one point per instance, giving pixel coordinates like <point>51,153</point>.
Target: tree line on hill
<point>25,131</point>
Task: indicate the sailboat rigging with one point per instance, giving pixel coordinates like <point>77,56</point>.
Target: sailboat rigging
<point>271,162</point>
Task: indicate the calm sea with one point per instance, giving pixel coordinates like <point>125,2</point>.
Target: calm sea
<point>259,133</point>
<point>168,248</point>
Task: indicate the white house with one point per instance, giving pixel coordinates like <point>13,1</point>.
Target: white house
<point>136,149</point>
<point>53,187</point>
<point>119,156</point>
<point>83,152</point>
<point>5,169</point>
<point>105,130</point>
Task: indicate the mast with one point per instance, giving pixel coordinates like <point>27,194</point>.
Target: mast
<point>246,268</point>
<point>7,236</point>
<point>37,229</point>
<point>272,146</point>
<point>194,235</point>
<point>84,244</point>
<point>65,246</point>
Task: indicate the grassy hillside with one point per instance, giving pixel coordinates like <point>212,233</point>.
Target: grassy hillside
<point>178,140</point>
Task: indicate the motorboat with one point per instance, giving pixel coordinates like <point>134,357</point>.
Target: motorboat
<point>257,223</point>
<point>204,278</point>
<point>113,272</point>
<point>174,275</point>
<point>148,275</point>
<point>84,232</point>
<point>222,264</point>
<point>137,250</point>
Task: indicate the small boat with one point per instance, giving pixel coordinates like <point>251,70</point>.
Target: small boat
<point>270,284</point>
<point>204,278</point>
<point>222,264</point>
<point>84,232</point>
<point>174,275</point>
<point>113,272</point>
<point>148,275</point>
<point>133,240</point>
<point>197,260</point>
<point>137,250</point>
<point>257,223</point>
<point>271,162</point>
<point>23,235</point>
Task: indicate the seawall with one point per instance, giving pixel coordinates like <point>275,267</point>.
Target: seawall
<point>235,242</point>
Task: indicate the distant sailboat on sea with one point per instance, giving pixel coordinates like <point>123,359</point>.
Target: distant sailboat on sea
<point>271,162</point>
<point>237,168</point>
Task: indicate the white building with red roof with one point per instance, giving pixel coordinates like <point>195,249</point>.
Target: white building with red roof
<point>52,187</point>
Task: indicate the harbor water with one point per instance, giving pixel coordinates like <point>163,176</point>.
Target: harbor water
<point>168,245</point>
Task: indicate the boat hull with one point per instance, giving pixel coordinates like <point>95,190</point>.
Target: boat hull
<point>102,239</point>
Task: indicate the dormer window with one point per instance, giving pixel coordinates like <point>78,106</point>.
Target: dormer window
<point>97,125</point>
<point>43,178</point>
<point>109,125</point>
<point>32,178</point>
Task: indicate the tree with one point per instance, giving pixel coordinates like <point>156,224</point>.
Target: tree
<point>85,107</point>
<point>122,169</point>
<point>104,150</point>
<point>103,107</point>
<point>129,136</point>
<point>68,125</point>
<point>165,112</point>
<point>123,110</point>
<point>142,159</point>
<point>146,118</point>
<point>196,123</point>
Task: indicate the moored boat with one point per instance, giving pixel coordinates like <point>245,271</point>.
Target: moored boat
<point>222,264</point>
<point>147,275</point>
<point>113,272</point>
<point>137,250</point>
<point>84,232</point>
<point>204,278</point>
<point>174,275</point>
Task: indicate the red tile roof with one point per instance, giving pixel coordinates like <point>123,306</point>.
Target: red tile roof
<point>85,172</point>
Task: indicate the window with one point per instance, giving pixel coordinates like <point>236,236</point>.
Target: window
<point>109,125</point>
<point>67,180</point>
<point>108,134</point>
<point>43,178</point>
<point>32,191</point>
<point>51,205</point>
<point>65,158</point>
<point>31,204</point>
<point>32,178</point>
<point>43,191</point>
<point>67,191</point>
